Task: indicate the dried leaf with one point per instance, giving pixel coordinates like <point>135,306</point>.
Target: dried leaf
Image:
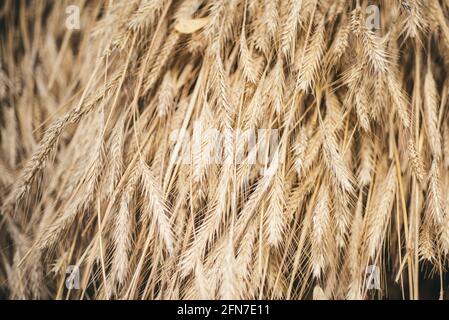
<point>188,26</point>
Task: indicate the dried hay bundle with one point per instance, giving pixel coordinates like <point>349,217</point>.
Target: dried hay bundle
<point>224,149</point>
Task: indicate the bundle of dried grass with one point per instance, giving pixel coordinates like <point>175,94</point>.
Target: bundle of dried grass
<point>125,153</point>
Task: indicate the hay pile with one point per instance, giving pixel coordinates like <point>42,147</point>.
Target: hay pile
<point>102,166</point>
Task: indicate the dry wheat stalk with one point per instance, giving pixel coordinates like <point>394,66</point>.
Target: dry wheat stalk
<point>103,165</point>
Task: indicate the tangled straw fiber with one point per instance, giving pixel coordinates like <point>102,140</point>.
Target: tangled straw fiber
<point>103,170</point>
